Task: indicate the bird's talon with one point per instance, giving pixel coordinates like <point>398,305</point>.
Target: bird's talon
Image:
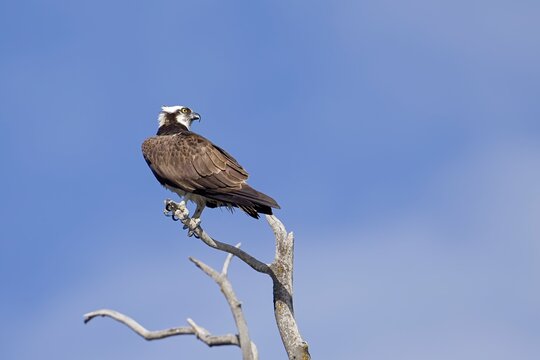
<point>197,223</point>
<point>174,217</point>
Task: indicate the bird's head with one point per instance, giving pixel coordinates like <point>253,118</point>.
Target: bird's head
<point>177,114</point>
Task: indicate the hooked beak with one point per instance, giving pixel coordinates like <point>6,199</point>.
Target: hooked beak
<point>195,116</point>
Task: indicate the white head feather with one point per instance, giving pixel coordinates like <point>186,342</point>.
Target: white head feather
<point>181,118</point>
<point>171,109</point>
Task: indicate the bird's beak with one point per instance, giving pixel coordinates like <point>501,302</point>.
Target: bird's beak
<point>195,116</point>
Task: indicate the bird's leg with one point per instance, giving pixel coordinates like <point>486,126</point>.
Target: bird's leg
<point>196,218</point>
<point>198,211</point>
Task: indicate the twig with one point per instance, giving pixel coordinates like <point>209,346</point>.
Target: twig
<point>227,261</point>
<point>210,340</point>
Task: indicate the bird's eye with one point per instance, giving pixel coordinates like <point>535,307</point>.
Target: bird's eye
<point>186,111</point>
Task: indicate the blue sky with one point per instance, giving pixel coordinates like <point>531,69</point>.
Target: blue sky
<point>400,138</point>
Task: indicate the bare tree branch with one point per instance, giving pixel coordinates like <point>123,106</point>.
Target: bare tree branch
<point>227,262</point>
<point>207,338</point>
<point>210,340</point>
<point>179,211</point>
<point>282,277</point>
<point>249,351</point>
<point>207,270</point>
<point>281,272</point>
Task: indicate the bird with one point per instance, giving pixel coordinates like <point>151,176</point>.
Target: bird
<point>198,170</point>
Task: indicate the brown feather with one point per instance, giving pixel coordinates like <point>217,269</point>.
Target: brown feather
<point>191,163</point>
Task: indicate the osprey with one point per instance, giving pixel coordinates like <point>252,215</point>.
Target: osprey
<point>197,170</point>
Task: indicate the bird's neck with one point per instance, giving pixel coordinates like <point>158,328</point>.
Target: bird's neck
<point>170,129</point>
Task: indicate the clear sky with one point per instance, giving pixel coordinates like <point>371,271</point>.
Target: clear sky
<point>401,139</point>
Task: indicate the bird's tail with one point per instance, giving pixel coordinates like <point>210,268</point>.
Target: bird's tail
<point>251,201</point>
<point>260,203</point>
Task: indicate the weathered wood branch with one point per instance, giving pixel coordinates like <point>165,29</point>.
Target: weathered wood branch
<point>242,340</point>
<point>180,212</point>
<point>282,278</point>
<point>249,350</point>
<point>208,339</point>
<point>280,271</point>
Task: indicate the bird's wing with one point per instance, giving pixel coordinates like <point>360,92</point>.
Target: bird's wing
<point>192,163</point>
